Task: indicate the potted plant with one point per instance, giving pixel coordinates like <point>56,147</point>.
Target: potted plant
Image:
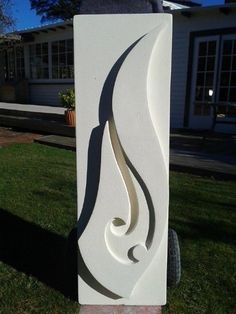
<point>67,99</point>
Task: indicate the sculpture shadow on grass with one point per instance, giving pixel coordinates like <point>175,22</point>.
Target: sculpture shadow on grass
<point>47,256</point>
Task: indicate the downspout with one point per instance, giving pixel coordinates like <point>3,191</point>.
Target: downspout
<point>157,6</point>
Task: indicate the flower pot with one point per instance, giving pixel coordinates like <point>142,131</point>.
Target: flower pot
<point>70,117</point>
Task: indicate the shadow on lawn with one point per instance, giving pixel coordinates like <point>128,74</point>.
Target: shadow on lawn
<point>38,252</point>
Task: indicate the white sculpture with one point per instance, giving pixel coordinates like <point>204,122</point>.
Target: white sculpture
<point>122,79</point>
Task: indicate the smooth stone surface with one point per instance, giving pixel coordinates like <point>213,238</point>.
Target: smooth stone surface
<point>122,85</point>
<point>119,309</point>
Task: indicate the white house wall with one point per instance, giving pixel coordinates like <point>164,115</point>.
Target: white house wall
<point>45,92</point>
<point>206,20</point>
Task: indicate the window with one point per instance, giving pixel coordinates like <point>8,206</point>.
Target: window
<point>205,77</point>
<point>39,61</point>
<point>10,64</point>
<point>20,62</point>
<point>62,59</point>
<point>227,86</point>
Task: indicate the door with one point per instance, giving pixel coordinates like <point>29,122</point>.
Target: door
<point>204,81</point>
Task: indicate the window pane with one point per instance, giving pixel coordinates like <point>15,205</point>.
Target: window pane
<point>234,63</point>
<point>54,60</point>
<point>210,63</point>
<point>227,47</point>
<point>212,48</point>
<point>62,46</point>
<point>200,79</point>
<point>62,59</point>
<point>199,93</point>
<point>38,61</point>
<point>226,62</point>
<point>31,49</point>
<point>209,78</point>
<point>201,63</point>
<point>70,45</point>
<point>63,72</point>
<point>19,52</point>
<point>202,48</point>
<point>224,79</point>
<point>18,63</point>
<point>70,72</point>
<point>45,60</point>
<point>232,94</point>
<point>38,73</point>
<point>70,59</point>
<point>45,48</point>
<point>55,47</point>
<point>38,49</point>
<point>55,72</point>
<point>45,73</point>
<point>235,47</point>
<point>223,94</point>
<point>233,79</point>
<point>207,97</point>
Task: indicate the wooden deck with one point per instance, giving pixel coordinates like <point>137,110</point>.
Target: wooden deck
<point>190,153</point>
<point>42,119</point>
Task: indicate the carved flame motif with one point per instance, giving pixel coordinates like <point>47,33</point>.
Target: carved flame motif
<point>130,213</point>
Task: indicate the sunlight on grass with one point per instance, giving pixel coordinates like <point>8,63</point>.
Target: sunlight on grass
<point>38,211</point>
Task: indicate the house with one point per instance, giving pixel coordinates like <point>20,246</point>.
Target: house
<point>42,61</point>
<point>36,68</point>
<point>203,64</point>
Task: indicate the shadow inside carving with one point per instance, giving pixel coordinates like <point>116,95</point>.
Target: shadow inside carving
<point>152,219</point>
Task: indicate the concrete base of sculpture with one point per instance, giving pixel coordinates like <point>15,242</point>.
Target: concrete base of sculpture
<point>119,309</point>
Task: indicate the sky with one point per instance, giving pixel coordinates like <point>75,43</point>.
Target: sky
<point>25,17</point>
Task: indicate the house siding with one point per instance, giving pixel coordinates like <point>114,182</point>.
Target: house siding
<point>47,94</point>
<point>208,19</point>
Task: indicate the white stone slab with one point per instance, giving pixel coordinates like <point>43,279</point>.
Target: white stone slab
<point>122,84</point>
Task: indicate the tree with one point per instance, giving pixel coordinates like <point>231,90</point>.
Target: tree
<point>66,9</point>
<point>55,9</point>
<point>6,19</point>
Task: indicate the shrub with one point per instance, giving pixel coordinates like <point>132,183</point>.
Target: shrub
<point>67,98</point>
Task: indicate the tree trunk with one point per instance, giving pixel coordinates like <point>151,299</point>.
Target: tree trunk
<point>157,6</point>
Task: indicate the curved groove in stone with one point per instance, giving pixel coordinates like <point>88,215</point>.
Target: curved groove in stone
<point>135,93</point>
<point>117,149</point>
<point>152,221</point>
<point>124,163</point>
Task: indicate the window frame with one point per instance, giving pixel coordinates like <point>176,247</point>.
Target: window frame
<point>41,55</point>
<point>49,80</point>
<point>230,71</point>
<point>193,35</point>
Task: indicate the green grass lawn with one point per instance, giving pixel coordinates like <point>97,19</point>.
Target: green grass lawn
<point>38,210</point>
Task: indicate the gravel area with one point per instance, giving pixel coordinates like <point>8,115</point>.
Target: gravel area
<point>9,136</point>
